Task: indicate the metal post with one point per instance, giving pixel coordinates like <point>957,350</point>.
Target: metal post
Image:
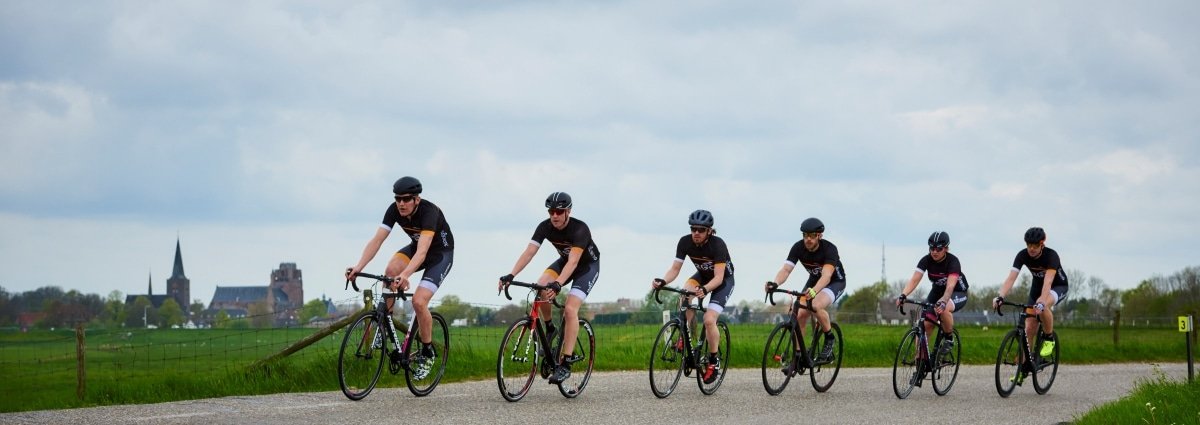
<point>81,371</point>
<point>1191,361</point>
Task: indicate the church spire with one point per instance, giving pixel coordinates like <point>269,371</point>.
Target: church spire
<point>178,271</point>
<point>149,283</point>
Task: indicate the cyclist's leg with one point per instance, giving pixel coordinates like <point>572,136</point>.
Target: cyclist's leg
<point>716,304</point>
<point>1057,293</point>
<point>824,299</point>
<point>396,265</point>
<point>436,268</point>
<point>581,284</point>
<point>957,300</point>
<point>689,315</point>
<point>550,275</point>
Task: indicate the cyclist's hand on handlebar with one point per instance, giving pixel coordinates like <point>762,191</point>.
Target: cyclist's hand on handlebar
<point>996,302</point>
<point>351,273</point>
<point>939,307</point>
<point>658,283</point>
<point>900,300</point>
<point>504,280</point>
<point>554,286</point>
<point>770,286</point>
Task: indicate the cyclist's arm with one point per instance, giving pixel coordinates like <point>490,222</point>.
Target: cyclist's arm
<point>418,257</point>
<point>525,258</point>
<point>826,276</point>
<point>912,283</point>
<point>1008,283</point>
<point>673,271</point>
<point>371,249</point>
<point>951,283</point>
<point>572,263</point>
<point>718,278</point>
<point>784,272</point>
<point>1045,295</point>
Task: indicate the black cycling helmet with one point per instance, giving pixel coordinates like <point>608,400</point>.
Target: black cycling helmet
<point>1035,235</point>
<point>701,218</point>
<point>558,200</point>
<point>812,225</point>
<point>407,186</point>
<point>939,239</point>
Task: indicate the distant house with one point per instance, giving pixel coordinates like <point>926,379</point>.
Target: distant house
<point>282,298</point>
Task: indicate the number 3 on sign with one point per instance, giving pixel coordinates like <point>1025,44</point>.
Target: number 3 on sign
<point>1185,323</point>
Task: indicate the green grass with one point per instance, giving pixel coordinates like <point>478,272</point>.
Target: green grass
<point>145,366</point>
<point>1155,401</point>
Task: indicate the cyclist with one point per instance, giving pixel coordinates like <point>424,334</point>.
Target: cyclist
<point>431,249</point>
<point>1049,286</point>
<point>944,272</point>
<point>714,275</point>
<point>826,280</point>
<point>578,263</point>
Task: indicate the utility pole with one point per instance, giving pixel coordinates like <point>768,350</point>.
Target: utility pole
<point>145,324</point>
<point>883,263</point>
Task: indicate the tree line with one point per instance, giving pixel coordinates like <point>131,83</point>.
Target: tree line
<point>1158,298</point>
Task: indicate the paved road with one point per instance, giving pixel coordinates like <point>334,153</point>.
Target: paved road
<point>860,396</point>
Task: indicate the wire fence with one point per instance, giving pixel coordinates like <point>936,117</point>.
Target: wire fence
<point>48,363</point>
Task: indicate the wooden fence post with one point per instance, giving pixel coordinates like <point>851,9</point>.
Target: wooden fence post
<point>1117,328</point>
<point>81,369</point>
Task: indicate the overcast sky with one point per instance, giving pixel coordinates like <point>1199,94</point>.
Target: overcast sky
<point>265,132</point>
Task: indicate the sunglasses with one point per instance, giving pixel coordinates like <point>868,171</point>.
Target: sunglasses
<point>556,211</point>
<point>937,248</point>
<point>699,229</point>
<point>811,235</point>
<point>405,199</point>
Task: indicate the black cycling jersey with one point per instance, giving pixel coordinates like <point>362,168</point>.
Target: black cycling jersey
<point>812,262</point>
<point>575,235</point>
<point>426,218</point>
<point>1038,266</point>
<point>706,256</point>
<point>939,271</point>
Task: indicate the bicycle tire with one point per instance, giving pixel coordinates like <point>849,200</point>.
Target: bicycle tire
<point>517,362</point>
<point>585,346</point>
<point>819,374</point>
<point>666,359</point>
<point>1047,369</point>
<point>437,367</point>
<point>906,367</point>
<point>1008,362</point>
<point>722,355</point>
<point>945,365</point>
<point>779,355</point>
<point>358,355</point>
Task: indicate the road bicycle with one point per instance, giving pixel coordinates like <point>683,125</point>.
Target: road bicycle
<point>674,353</point>
<point>373,338</point>
<point>913,360</point>
<point>785,356</point>
<point>1016,359</point>
<point>527,348</point>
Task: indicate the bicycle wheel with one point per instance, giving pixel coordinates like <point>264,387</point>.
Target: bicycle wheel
<point>583,356</point>
<point>1047,369</point>
<point>423,373</point>
<point>666,359</point>
<point>945,365</point>
<point>722,356</point>
<point>517,363</point>
<point>779,361</point>
<point>825,370</point>
<point>906,369</point>
<point>361,357</point>
<point>1008,363</point>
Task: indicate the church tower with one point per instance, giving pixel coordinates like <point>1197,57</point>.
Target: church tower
<point>179,286</point>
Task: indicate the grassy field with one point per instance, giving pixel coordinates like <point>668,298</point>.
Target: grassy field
<point>1156,401</point>
<point>147,366</point>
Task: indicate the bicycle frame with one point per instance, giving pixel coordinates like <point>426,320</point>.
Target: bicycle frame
<point>544,347</point>
<point>382,316</point>
<point>1026,311</point>
<point>922,336</point>
<point>695,303</point>
<point>800,301</point>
